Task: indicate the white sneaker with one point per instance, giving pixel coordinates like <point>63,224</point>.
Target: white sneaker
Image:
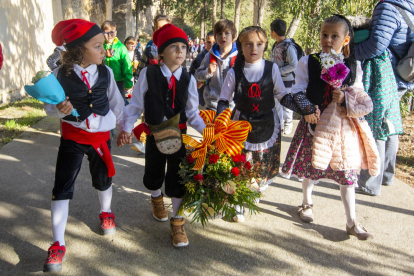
<point>288,128</point>
<point>138,147</point>
<point>239,217</point>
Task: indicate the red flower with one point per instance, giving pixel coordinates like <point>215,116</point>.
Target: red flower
<point>237,158</point>
<point>213,158</point>
<point>190,159</point>
<point>243,157</point>
<point>198,177</point>
<point>248,165</point>
<point>235,171</point>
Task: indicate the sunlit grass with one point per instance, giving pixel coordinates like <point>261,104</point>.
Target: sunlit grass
<point>18,116</point>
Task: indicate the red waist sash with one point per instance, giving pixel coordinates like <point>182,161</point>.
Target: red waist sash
<point>97,140</point>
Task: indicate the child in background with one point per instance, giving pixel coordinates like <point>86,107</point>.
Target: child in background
<point>311,91</point>
<point>165,90</point>
<point>253,84</point>
<point>134,54</point>
<point>55,59</point>
<point>139,46</point>
<point>117,58</point>
<point>285,55</point>
<point>218,62</point>
<point>150,54</point>
<point>197,62</point>
<point>91,89</point>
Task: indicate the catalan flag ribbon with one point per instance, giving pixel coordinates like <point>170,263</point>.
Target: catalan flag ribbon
<point>229,136</point>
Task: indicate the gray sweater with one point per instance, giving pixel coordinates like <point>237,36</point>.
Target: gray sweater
<point>286,70</point>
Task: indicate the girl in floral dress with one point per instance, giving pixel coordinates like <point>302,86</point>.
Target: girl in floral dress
<point>336,34</point>
<point>253,84</point>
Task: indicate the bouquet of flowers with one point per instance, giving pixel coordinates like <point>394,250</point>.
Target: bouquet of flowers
<point>334,70</point>
<point>46,88</point>
<point>215,174</point>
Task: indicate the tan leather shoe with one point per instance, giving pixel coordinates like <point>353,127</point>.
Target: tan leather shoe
<point>308,217</point>
<point>360,236</point>
<point>158,209</point>
<point>178,232</point>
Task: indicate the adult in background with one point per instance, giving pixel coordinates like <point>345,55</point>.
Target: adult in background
<point>200,49</point>
<point>390,36</point>
<point>1,57</point>
<point>197,62</point>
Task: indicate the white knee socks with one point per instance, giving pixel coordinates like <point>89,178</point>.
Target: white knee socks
<point>156,193</point>
<point>348,199</point>
<point>105,199</point>
<point>307,188</point>
<point>60,212</point>
<point>176,203</point>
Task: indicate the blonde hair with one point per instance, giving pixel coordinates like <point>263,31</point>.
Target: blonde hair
<point>259,31</point>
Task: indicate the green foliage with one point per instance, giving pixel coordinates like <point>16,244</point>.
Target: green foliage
<point>141,5</point>
<point>405,103</point>
<point>312,12</point>
<point>18,116</point>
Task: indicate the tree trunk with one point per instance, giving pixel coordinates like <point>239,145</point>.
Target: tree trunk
<point>202,15</point>
<point>136,23</point>
<point>214,17</point>
<point>294,24</point>
<point>312,24</point>
<point>237,14</point>
<point>223,13</point>
<point>262,5</point>
<point>255,12</point>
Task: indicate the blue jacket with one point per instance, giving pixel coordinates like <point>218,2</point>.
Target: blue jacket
<point>389,29</point>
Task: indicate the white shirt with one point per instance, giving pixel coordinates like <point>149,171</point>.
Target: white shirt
<point>131,55</point>
<point>136,105</point>
<point>96,123</point>
<point>302,76</point>
<point>253,73</point>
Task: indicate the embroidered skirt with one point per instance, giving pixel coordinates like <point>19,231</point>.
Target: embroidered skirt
<point>268,161</point>
<point>299,160</point>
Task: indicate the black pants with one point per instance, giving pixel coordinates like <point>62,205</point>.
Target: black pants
<point>68,165</point>
<point>121,88</point>
<point>155,175</point>
<point>200,96</point>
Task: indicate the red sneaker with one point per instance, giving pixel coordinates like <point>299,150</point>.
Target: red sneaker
<point>107,223</point>
<point>55,257</point>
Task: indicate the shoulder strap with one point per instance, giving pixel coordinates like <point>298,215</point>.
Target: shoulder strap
<point>394,52</point>
<point>213,58</point>
<point>405,17</point>
<point>232,61</point>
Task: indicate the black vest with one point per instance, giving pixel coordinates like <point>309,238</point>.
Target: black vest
<point>158,99</point>
<point>86,101</point>
<point>255,108</point>
<point>317,87</point>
